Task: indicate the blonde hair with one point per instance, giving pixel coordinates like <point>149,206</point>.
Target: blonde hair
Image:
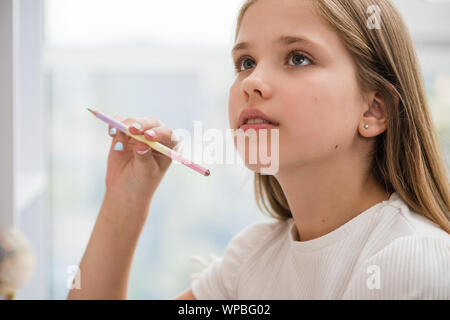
<point>407,157</point>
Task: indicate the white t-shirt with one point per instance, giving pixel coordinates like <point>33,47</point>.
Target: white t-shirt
<point>386,252</point>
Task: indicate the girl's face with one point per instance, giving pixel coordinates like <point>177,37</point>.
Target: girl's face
<point>308,86</point>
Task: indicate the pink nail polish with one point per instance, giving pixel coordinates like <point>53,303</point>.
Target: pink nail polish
<point>137,126</point>
<point>142,152</point>
<point>151,133</point>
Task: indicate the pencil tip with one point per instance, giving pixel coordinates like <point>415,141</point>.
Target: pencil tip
<point>207,172</point>
<point>93,112</point>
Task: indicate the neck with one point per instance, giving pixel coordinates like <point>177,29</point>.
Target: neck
<point>323,197</point>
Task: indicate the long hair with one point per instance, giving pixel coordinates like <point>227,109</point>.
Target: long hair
<point>407,157</point>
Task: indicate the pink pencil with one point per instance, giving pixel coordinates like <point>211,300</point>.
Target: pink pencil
<point>153,144</point>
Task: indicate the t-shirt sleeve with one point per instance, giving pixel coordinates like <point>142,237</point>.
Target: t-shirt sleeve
<point>219,280</point>
<point>411,267</point>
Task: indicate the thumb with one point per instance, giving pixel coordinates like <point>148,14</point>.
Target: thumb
<point>143,158</point>
<point>143,152</point>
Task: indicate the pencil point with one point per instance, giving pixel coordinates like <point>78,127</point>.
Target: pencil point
<point>93,112</point>
<point>207,173</point>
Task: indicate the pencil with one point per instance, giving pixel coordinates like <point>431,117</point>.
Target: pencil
<point>152,144</point>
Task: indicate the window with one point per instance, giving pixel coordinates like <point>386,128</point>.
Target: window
<point>179,73</point>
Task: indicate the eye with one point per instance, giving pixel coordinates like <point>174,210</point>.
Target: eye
<point>239,62</point>
<point>298,58</point>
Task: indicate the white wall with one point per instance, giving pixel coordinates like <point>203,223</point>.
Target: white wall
<point>428,20</point>
<point>23,172</point>
<point>8,47</point>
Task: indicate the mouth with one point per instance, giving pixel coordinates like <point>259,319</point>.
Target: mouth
<point>257,125</point>
<point>255,119</point>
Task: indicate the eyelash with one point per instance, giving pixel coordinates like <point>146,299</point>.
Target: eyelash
<point>237,64</point>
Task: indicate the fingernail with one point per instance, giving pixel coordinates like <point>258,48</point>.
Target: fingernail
<point>118,146</point>
<point>137,126</point>
<point>151,133</point>
<point>113,131</point>
<point>143,151</point>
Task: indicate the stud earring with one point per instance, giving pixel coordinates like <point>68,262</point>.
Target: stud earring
<point>366,126</point>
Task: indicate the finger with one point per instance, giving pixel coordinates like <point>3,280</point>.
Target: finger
<point>121,140</point>
<point>143,124</point>
<point>163,135</point>
<point>113,131</point>
<point>143,150</point>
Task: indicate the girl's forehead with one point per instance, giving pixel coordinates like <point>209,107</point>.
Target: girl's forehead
<point>270,19</point>
<point>281,12</point>
<point>267,21</point>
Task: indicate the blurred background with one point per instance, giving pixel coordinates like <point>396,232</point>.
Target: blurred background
<point>168,59</point>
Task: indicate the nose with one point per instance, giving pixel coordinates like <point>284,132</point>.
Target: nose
<point>255,87</point>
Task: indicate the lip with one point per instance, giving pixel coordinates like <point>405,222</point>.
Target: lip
<point>253,114</point>
<point>257,126</point>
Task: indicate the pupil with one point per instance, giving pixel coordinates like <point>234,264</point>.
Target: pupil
<point>248,63</point>
<point>301,58</point>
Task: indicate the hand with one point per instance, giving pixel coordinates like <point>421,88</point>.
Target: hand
<point>133,174</point>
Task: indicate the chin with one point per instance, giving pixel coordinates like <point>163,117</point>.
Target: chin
<point>263,169</point>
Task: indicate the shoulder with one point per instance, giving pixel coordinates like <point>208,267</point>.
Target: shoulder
<point>410,267</point>
<point>395,221</point>
<point>414,249</point>
<point>409,258</point>
<point>410,222</point>
<point>259,233</point>
<point>220,279</point>
<point>252,241</point>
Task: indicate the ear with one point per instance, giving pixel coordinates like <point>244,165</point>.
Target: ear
<point>374,116</point>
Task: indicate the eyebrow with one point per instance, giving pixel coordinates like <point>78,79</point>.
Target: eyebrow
<point>286,40</point>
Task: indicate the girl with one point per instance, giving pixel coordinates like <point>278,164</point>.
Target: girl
<point>361,198</point>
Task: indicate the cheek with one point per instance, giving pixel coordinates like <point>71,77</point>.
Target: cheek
<point>307,110</point>
<point>318,113</point>
<point>233,105</point>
